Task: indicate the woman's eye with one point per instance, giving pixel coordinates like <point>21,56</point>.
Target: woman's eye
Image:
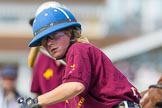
<point>54,36</point>
<point>51,37</point>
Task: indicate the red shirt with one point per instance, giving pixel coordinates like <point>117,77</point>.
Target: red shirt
<point>105,84</point>
<point>47,76</point>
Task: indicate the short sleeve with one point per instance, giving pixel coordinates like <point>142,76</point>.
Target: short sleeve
<point>78,67</point>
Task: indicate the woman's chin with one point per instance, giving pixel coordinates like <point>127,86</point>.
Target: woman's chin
<point>58,56</point>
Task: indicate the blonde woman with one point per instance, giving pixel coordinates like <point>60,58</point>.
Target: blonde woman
<point>90,79</point>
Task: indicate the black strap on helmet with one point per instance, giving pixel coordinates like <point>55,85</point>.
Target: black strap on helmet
<point>52,24</point>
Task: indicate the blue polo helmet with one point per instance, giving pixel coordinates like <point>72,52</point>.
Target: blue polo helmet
<point>51,20</point>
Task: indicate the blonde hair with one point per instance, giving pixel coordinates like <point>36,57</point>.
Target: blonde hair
<point>77,33</point>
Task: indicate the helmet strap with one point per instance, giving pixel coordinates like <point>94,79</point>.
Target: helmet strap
<point>72,38</point>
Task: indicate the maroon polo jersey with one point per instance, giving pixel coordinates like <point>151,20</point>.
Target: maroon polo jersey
<point>105,85</point>
<point>47,75</point>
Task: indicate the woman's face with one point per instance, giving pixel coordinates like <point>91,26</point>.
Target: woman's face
<point>56,44</point>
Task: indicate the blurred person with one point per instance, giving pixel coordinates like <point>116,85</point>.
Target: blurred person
<point>8,92</point>
<point>47,75</point>
<point>90,79</point>
<point>47,72</point>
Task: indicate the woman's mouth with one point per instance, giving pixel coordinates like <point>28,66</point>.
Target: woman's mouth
<point>53,50</point>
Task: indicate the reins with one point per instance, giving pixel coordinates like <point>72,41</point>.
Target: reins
<point>156,86</point>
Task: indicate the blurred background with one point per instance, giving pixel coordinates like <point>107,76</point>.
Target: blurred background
<point>128,31</point>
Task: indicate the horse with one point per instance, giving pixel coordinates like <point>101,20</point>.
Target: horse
<point>152,97</point>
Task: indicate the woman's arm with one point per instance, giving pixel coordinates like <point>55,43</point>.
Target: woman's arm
<point>61,93</point>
